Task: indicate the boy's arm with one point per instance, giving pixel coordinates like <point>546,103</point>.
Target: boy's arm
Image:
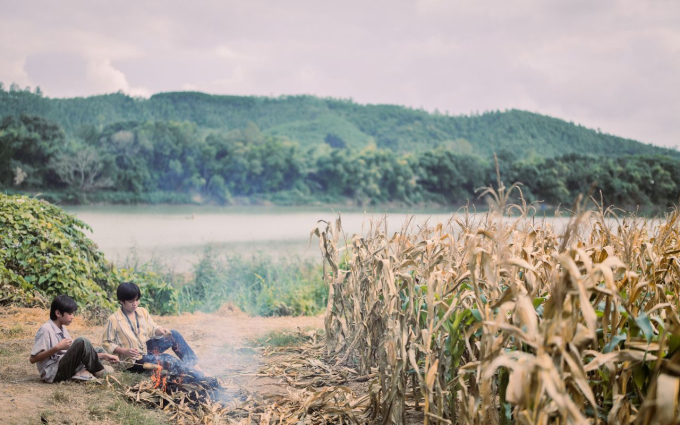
<point>109,357</point>
<point>127,352</point>
<point>45,354</point>
<point>157,330</point>
<point>109,338</point>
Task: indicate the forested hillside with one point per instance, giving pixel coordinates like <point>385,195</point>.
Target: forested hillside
<point>198,148</point>
<point>311,121</point>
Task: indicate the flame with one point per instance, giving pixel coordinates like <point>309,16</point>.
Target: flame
<point>158,380</point>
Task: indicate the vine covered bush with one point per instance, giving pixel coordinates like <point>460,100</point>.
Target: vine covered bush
<point>44,252</point>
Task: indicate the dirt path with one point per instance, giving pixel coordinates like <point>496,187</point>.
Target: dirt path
<point>219,340</point>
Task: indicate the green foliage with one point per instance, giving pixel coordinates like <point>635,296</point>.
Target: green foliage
<point>451,176</point>
<point>45,253</point>
<point>193,148</point>
<point>258,286</point>
<point>44,248</point>
<point>328,128</point>
<point>308,120</point>
<point>281,339</point>
<point>623,181</point>
<point>159,296</point>
<point>27,143</point>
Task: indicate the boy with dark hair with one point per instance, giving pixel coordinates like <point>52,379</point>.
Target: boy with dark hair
<point>132,334</point>
<point>58,357</point>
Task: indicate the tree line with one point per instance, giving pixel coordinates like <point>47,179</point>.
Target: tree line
<point>180,162</point>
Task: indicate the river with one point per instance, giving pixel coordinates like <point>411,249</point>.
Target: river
<point>178,235</point>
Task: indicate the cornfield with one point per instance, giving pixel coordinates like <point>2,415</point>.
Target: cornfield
<point>499,318</point>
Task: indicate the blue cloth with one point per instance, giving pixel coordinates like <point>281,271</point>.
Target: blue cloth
<point>157,346</point>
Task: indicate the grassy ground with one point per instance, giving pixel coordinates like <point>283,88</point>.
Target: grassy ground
<point>222,340</point>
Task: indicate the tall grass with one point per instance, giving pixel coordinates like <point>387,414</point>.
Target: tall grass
<point>259,285</point>
<point>489,319</point>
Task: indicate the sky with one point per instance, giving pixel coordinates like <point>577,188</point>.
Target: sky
<point>612,65</point>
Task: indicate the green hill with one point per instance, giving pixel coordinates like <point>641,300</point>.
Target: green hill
<point>312,121</point>
<point>199,148</point>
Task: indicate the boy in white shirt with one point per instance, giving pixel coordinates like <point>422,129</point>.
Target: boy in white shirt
<point>58,357</point>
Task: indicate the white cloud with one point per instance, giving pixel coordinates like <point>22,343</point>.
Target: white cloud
<point>225,52</point>
<point>12,71</point>
<point>237,77</point>
<point>108,79</point>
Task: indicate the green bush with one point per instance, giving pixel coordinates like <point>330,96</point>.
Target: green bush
<point>156,280</point>
<point>45,253</point>
<point>158,295</point>
<point>44,248</point>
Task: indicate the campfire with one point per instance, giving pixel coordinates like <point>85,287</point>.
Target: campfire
<point>314,393</point>
<point>169,381</point>
<point>190,396</point>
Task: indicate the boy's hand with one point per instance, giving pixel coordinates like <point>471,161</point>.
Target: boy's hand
<point>64,344</point>
<point>132,352</point>
<point>109,357</point>
<point>163,332</point>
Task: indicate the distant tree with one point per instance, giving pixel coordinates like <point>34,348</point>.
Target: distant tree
<point>218,190</point>
<point>334,141</point>
<point>28,142</point>
<point>129,157</point>
<point>80,167</point>
<point>454,177</point>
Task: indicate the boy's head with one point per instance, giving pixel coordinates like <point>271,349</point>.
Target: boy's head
<point>128,291</point>
<point>62,304</point>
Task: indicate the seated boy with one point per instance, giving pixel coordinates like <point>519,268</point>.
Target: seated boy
<point>58,357</point>
<point>132,334</point>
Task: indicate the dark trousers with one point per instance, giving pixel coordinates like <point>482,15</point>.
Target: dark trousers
<point>155,348</point>
<point>80,352</point>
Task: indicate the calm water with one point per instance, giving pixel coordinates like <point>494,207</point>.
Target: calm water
<point>178,235</point>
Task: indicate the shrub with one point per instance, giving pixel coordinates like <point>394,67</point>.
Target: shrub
<point>158,295</point>
<point>258,285</point>
<point>44,248</point>
<point>44,253</point>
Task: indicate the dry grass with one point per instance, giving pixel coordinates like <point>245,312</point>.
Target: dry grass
<point>496,320</point>
<point>310,389</point>
<point>28,400</point>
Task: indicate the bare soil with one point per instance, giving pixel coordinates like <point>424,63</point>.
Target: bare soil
<point>220,340</point>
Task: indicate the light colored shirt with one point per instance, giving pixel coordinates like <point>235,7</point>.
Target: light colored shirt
<point>121,332</point>
<point>47,337</point>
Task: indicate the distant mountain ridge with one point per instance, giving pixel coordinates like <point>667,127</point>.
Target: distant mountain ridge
<point>312,120</point>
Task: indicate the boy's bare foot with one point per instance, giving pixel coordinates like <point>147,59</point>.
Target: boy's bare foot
<point>82,375</point>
